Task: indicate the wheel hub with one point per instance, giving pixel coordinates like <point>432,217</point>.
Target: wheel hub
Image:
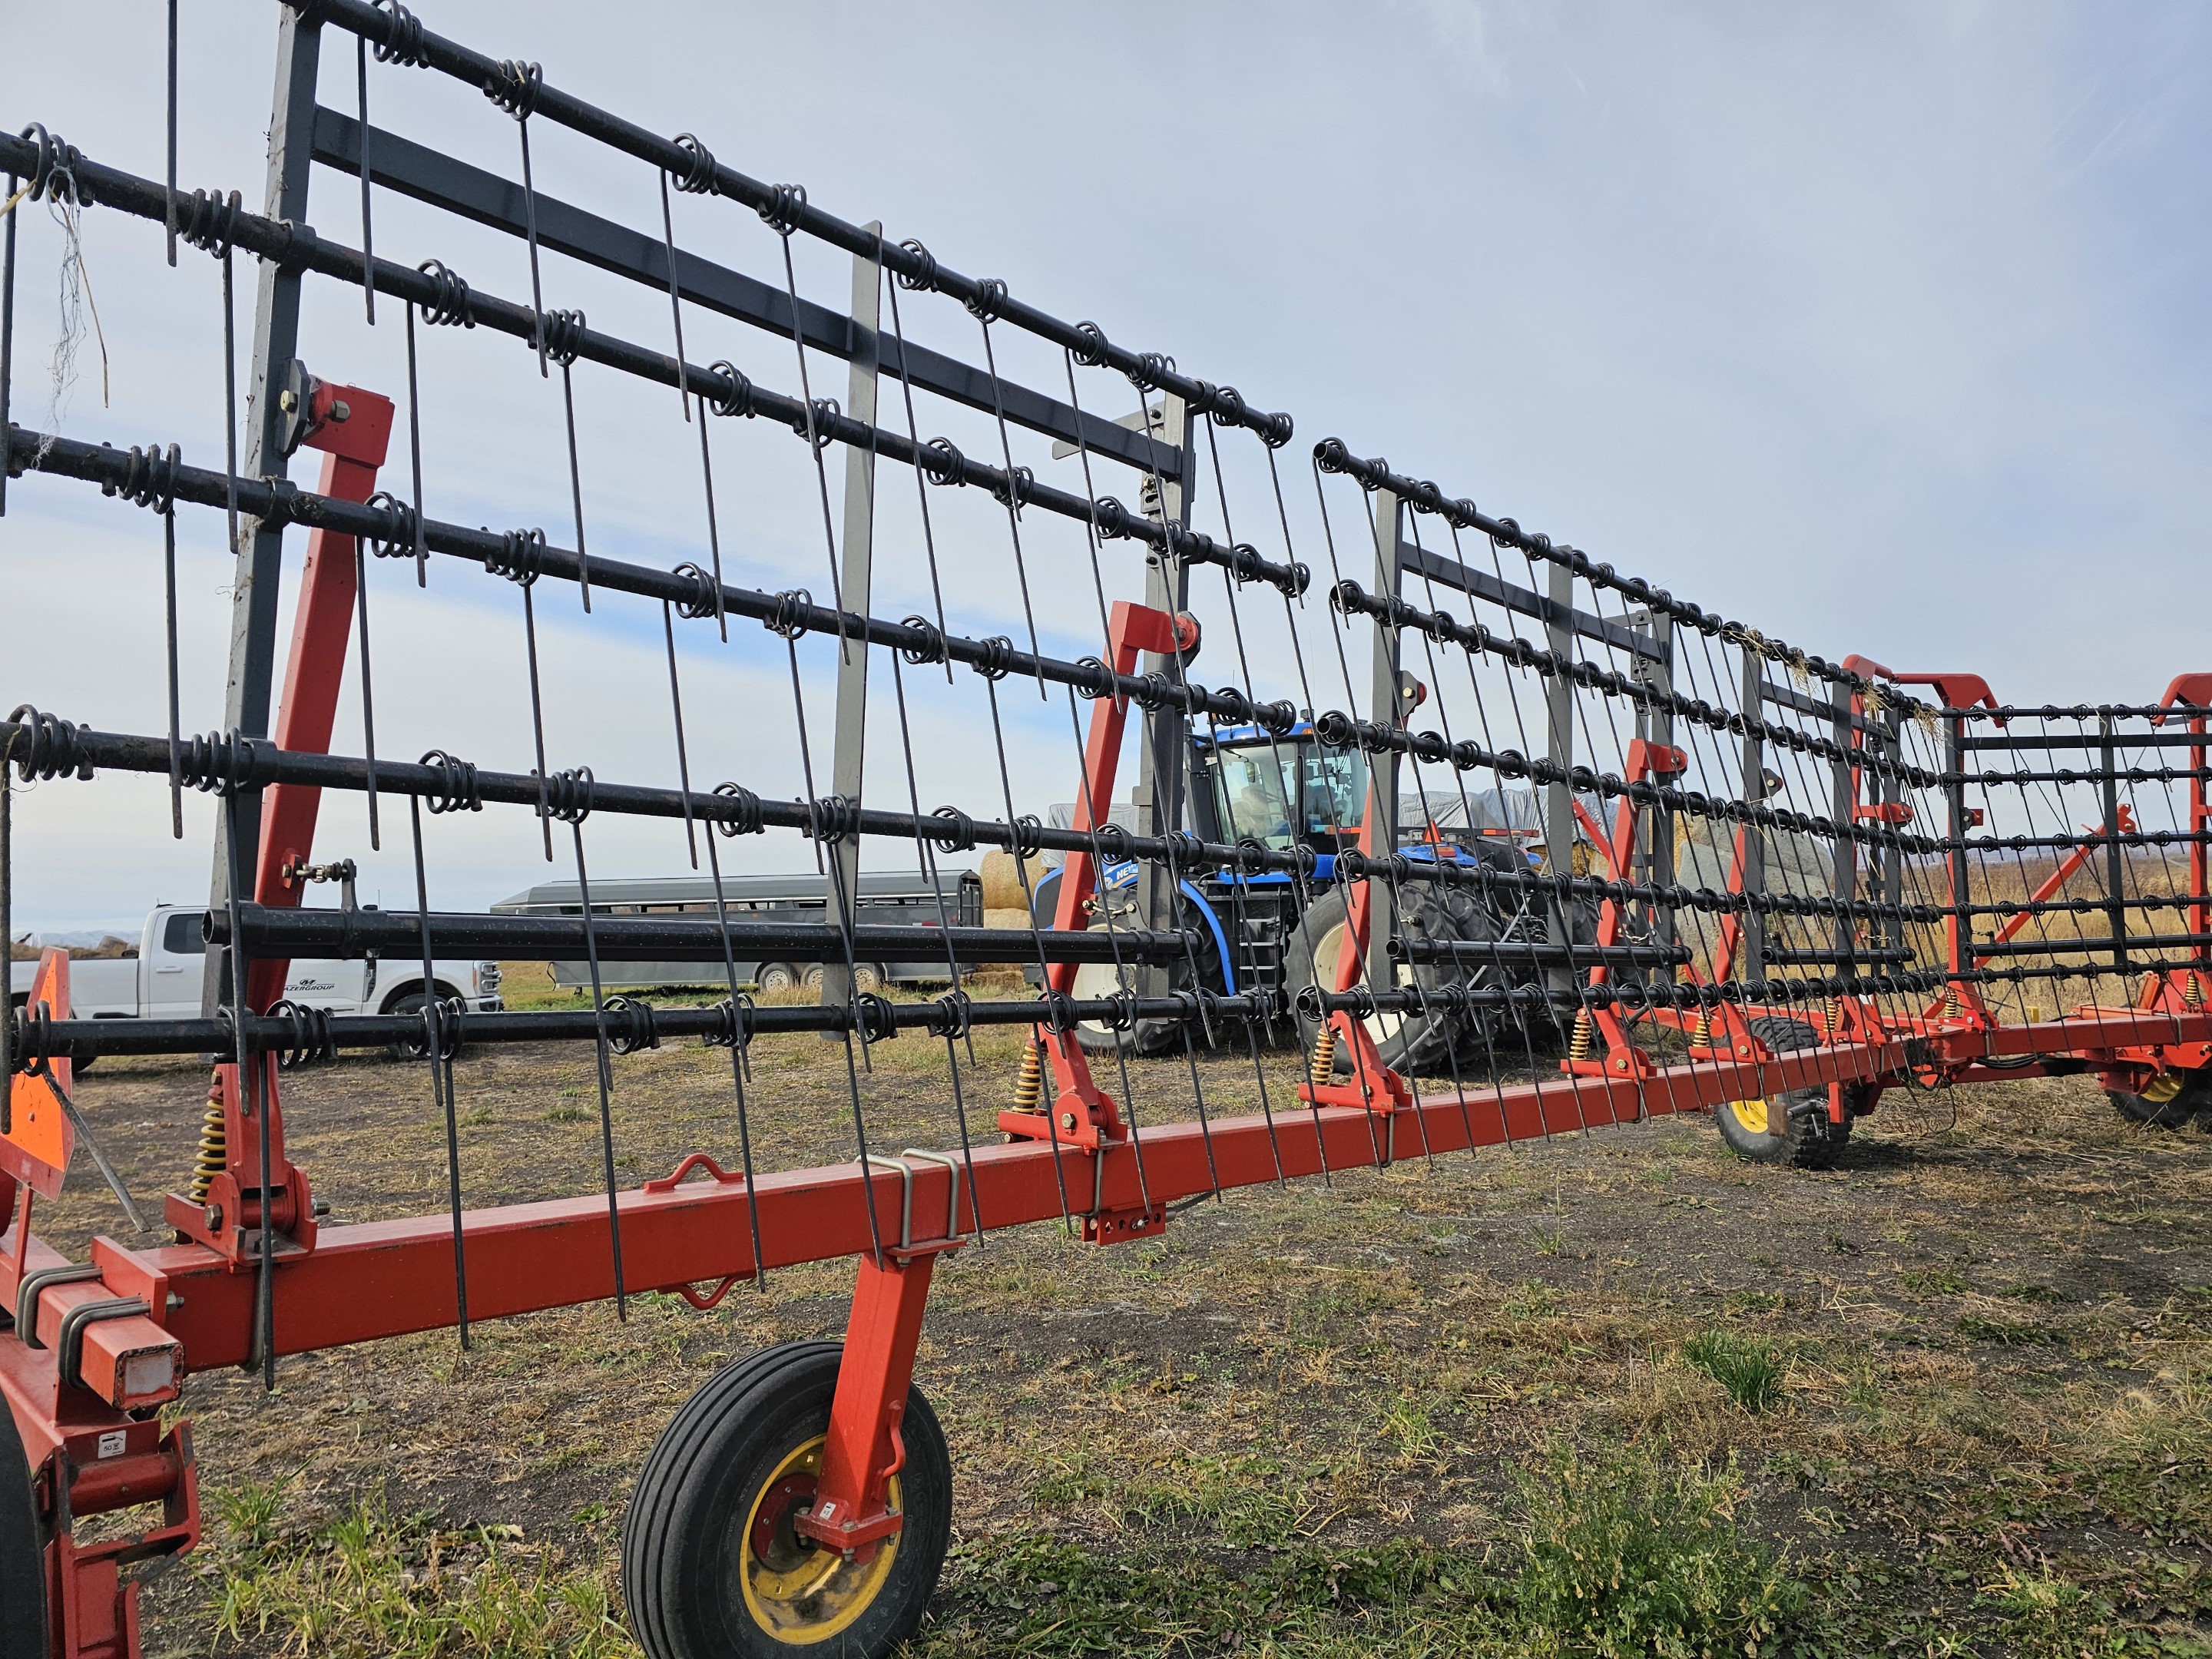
<point>801,1593</point>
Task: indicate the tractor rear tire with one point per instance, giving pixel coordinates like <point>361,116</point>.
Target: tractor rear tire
<point>711,1566</point>
<point>2172,1099</point>
<point>1408,1040</point>
<point>1792,1128</point>
<point>22,1553</point>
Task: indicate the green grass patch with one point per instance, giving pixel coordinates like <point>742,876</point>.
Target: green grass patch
<point>1747,1366</point>
<point>2009,1332</point>
<point>368,1584</point>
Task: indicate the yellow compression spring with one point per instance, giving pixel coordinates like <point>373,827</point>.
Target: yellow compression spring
<point>1578,1045</point>
<point>1322,1072</point>
<point>1028,1083</point>
<point>211,1161</point>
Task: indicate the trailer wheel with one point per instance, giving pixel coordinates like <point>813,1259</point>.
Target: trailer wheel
<point>1791,1129</point>
<point>776,977</point>
<point>1405,1039</point>
<point>2167,1102</point>
<point>711,1565</point>
<point>22,1557</point>
<point>867,978</point>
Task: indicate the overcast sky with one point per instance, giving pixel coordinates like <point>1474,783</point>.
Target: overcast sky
<point>1882,327</point>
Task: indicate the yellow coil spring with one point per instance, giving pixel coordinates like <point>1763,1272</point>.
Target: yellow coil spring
<point>2193,993</point>
<point>1323,1073</point>
<point>209,1163</point>
<point>1578,1045</point>
<point>1701,1034</point>
<point>1952,1006</point>
<point>1028,1085</point>
<point>1832,1018</point>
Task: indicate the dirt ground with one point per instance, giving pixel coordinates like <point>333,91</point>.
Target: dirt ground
<point>1988,1428</point>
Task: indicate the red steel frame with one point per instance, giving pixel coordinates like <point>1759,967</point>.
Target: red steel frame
<point>343,1284</point>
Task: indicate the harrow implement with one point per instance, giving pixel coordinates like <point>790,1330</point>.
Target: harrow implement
<point>1542,848</point>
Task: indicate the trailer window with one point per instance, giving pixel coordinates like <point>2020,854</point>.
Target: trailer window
<point>183,934</point>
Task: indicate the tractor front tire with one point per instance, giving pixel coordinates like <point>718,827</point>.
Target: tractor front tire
<point>2167,1102</point>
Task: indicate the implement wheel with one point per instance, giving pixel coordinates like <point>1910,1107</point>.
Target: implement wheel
<point>1790,1129</point>
<point>2168,1100</point>
<point>23,1554</point>
<point>712,1566</point>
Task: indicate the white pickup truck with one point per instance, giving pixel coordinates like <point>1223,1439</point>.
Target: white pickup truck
<point>162,979</point>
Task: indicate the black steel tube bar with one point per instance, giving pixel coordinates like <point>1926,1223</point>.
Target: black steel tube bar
<point>298,247</point>
<point>920,269</point>
<point>485,198</point>
<point>348,935</point>
<point>2067,947</point>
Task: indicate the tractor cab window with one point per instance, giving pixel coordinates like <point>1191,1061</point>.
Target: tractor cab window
<point>1333,799</point>
<point>1252,794</point>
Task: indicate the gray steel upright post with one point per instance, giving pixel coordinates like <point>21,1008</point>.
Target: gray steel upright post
<point>854,578</point>
<point>254,587</point>
<point>1164,760</point>
<point>1559,749</point>
<point>1751,952</point>
<point>1892,854</point>
<point>1844,811</point>
<point>1384,708</point>
<point>1655,724</point>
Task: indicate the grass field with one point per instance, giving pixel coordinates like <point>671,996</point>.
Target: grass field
<point>1613,1394</point>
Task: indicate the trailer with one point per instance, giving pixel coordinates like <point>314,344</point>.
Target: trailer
<point>915,898</point>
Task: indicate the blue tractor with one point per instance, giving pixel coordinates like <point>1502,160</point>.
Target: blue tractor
<point>1273,930</point>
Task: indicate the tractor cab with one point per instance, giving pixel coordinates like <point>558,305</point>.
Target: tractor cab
<point>1282,792</point>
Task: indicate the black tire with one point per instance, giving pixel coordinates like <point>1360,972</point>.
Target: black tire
<point>2172,1099</point>
<point>690,1563</point>
<point>774,976</point>
<point>867,978</point>
<point>1408,1040</point>
<point>22,1552</point>
<point>1793,1128</point>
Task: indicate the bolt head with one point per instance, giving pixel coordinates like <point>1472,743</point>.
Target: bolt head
<point>1068,1120</point>
<point>288,401</point>
<point>341,411</point>
<point>213,1217</point>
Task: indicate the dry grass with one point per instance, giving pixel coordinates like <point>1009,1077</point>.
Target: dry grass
<point>1321,1421</point>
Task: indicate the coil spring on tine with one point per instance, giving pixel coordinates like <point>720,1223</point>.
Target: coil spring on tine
<point>1094,679</point>
<point>396,539</point>
<point>1123,1014</point>
<point>988,300</point>
<point>564,336</point>
<point>448,304</point>
<point>942,459</point>
<point>948,1014</point>
<point>788,621</point>
<point>697,176</point>
<point>1111,518</point>
<point>823,413</point>
<point>1151,370</point>
<point>1094,349</point>
<point>1059,1015</point>
<point>733,1027</point>
<point>149,476</point>
<point>928,644</point>
<point>569,794</point>
<point>442,1020</point>
<point>1008,491</point>
<point>31,1040</point>
<point>743,816</point>
<point>223,765</point>
<point>785,206</point>
<point>924,275</point>
<point>739,399</point>
<point>705,599</point>
<point>995,658</point>
<point>457,784</point>
<point>831,819</point>
<point>631,1024</point>
<point>207,222</point>
<point>520,557</point>
<point>1113,843</point>
<point>403,37</point>
<point>56,158</point>
<point>53,749</point>
<point>515,85</point>
<point>1277,717</point>
<point>952,829</point>
<point>1028,836</point>
<point>874,1018</point>
<point>305,1039</point>
<point>1153,692</point>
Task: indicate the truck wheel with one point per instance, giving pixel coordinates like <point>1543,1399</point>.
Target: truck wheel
<point>2168,1100</point>
<point>1408,1040</point>
<point>711,1565</point>
<point>776,977</point>
<point>22,1556</point>
<point>1790,1129</point>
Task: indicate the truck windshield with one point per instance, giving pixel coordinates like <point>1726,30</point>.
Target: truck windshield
<point>1287,791</point>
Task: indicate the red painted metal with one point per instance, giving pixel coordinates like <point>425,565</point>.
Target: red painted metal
<point>40,1138</point>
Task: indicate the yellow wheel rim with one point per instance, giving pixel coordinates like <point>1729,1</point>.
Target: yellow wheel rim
<point>1329,954</point>
<point>796,1592</point>
<point>1751,1114</point>
<point>2162,1088</point>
